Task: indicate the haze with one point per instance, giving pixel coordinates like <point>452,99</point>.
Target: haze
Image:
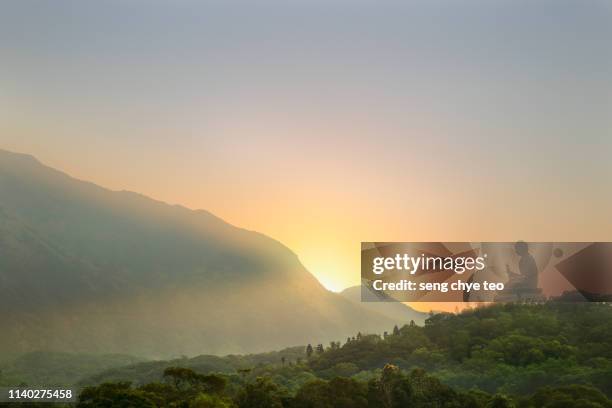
<point>324,124</point>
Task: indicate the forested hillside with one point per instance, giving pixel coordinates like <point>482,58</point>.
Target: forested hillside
<point>56,368</point>
<point>544,355</point>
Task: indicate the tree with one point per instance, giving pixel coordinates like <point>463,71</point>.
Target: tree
<point>582,396</point>
<point>396,330</point>
<point>180,377</point>
<point>309,350</point>
<point>500,401</point>
<point>115,395</point>
<point>244,372</point>
<point>313,394</point>
<point>337,393</point>
<point>261,394</point>
<point>188,381</point>
<point>391,390</point>
<point>210,401</point>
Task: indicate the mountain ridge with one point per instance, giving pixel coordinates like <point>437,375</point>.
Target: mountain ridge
<point>88,269</point>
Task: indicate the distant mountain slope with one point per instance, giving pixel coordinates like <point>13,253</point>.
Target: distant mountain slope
<point>396,311</point>
<point>86,269</point>
<point>55,369</point>
<point>152,371</point>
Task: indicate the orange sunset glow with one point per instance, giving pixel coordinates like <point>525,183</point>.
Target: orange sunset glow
<point>299,139</point>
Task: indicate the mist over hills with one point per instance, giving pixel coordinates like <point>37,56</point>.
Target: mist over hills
<point>85,269</point>
<point>397,311</point>
<point>59,368</point>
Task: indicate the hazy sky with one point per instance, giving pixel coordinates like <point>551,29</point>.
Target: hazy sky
<point>326,123</point>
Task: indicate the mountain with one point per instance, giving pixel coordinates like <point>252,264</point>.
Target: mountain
<point>396,311</point>
<point>85,269</point>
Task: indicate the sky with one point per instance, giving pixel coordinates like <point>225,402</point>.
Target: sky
<point>326,123</point>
